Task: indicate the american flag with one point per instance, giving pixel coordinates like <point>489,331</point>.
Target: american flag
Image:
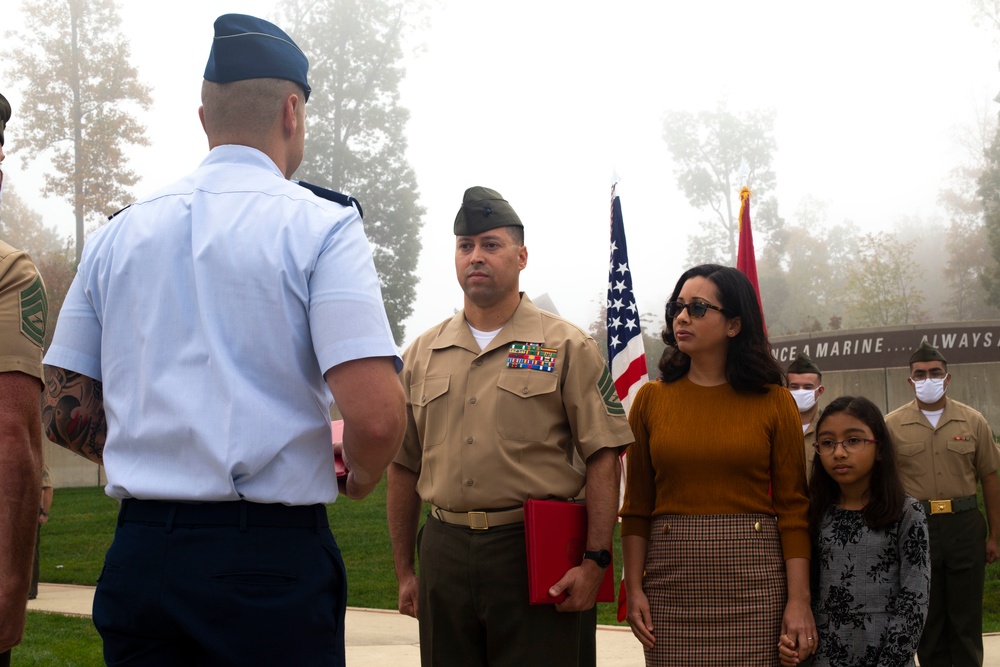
<point>626,353</point>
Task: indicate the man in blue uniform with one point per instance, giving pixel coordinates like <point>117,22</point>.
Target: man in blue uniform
<point>195,357</point>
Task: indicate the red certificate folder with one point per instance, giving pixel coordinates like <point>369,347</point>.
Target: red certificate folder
<point>555,533</point>
<point>337,429</point>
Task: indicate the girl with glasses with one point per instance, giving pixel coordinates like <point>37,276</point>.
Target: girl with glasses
<point>714,524</point>
<point>871,564</point>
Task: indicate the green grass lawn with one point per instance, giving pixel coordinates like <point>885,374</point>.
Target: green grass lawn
<point>82,525</point>
<point>991,592</point>
<point>55,640</point>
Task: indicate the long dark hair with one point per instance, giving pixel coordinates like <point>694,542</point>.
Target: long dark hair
<point>749,364</point>
<point>885,490</point>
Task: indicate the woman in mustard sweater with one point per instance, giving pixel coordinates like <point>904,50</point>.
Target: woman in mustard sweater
<point>714,526</point>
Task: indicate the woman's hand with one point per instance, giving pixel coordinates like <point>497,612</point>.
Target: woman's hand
<point>798,626</point>
<point>639,618</point>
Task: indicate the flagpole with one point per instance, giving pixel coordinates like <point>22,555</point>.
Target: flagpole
<point>626,351</point>
<point>746,260</point>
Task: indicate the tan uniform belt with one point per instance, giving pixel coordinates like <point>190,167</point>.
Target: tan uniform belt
<point>950,505</point>
<point>483,520</point>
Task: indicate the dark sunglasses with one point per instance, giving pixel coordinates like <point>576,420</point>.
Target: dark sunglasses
<point>696,309</point>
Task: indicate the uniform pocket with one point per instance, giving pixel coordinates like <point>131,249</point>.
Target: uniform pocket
<point>963,446</point>
<point>910,448</point>
<point>908,460</point>
<point>429,402</point>
<point>526,401</point>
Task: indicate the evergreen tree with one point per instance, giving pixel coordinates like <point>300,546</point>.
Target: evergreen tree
<point>355,139</point>
<point>989,193</point>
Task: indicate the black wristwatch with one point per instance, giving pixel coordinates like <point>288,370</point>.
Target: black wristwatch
<point>602,557</point>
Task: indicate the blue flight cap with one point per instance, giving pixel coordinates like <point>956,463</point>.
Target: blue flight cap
<point>246,47</point>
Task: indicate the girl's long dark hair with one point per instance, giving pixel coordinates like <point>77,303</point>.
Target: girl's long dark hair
<point>885,490</point>
<point>749,364</point>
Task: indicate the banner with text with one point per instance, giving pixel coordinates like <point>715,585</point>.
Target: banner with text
<point>976,342</point>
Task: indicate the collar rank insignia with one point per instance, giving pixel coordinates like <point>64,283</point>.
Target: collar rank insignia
<point>531,356</point>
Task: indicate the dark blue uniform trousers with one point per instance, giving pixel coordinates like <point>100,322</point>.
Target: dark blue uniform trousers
<point>221,584</point>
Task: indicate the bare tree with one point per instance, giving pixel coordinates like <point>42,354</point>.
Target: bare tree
<point>79,94</point>
<point>713,149</point>
<point>23,228</point>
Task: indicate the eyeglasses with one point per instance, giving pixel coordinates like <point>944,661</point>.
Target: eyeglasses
<point>934,374</point>
<point>696,309</point>
<point>851,445</point>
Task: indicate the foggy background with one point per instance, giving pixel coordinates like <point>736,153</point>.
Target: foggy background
<point>543,100</point>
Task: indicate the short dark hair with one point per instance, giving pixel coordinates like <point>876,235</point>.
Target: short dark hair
<point>750,367</point>
<point>516,234</point>
<point>885,489</point>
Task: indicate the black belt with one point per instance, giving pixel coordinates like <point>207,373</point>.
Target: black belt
<point>239,513</point>
<point>950,505</point>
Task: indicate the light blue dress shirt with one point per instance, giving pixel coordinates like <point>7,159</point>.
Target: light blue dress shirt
<point>210,311</point>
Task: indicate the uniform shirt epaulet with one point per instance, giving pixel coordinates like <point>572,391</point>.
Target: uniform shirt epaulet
<point>334,196</point>
<point>119,211</point>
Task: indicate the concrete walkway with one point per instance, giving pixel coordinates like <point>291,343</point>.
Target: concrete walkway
<point>376,637</point>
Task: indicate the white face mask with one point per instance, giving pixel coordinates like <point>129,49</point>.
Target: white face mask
<point>804,398</point>
<point>930,390</point>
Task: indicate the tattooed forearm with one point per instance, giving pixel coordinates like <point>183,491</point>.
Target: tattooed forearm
<point>73,413</point>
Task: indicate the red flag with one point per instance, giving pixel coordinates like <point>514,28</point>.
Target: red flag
<point>746,261</point>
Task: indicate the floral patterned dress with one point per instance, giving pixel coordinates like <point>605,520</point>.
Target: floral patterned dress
<point>870,596</point>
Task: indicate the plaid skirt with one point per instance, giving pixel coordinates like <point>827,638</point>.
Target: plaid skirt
<point>716,589</point>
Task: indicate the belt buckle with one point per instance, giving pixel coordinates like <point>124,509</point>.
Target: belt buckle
<point>478,521</point>
<point>941,506</point>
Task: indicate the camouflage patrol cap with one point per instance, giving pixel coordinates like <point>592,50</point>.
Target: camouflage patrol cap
<point>484,209</point>
<point>927,352</point>
<point>4,115</point>
<point>803,364</point>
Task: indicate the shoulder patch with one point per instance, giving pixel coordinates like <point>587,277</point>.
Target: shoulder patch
<point>34,311</point>
<point>606,386</point>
